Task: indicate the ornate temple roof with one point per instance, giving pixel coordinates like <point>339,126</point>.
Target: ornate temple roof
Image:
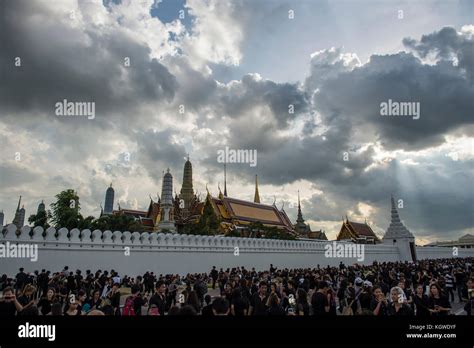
<point>130,212</point>
<point>356,230</point>
<point>245,212</point>
<point>396,229</point>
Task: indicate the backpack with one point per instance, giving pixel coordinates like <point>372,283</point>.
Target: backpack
<point>128,308</point>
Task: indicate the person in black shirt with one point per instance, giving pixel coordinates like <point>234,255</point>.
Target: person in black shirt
<point>220,307</point>
<point>379,304</point>
<point>71,282</point>
<point>214,276</point>
<point>273,304</point>
<point>159,298</point>
<point>9,305</point>
<point>438,303</point>
<point>365,297</point>
<point>460,277</point>
<point>114,296</point>
<point>302,306</point>
<point>258,301</point>
<point>421,302</point>
<point>45,304</point>
<point>207,310</point>
<point>239,306</point>
<point>138,301</point>
<point>320,300</point>
<point>398,306</point>
<point>20,279</point>
<point>27,297</point>
<point>470,295</point>
<point>95,302</point>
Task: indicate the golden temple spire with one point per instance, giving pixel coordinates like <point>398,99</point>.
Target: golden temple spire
<point>256,198</point>
<point>221,196</point>
<point>225,180</point>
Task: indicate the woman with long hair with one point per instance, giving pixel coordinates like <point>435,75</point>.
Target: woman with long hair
<point>46,302</point>
<point>302,305</point>
<point>193,301</point>
<point>26,298</point>
<point>273,304</point>
<point>438,303</point>
<point>421,301</point>
<point>95,301</point>
<point>72,309</point>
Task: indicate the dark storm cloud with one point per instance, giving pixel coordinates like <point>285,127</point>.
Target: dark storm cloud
<point>286,101</point>
<point>60,62</point>
<point>157,151</point>
<point>444,92</point>
<point>446,44</point>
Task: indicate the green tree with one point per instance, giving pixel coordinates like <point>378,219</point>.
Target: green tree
<point>255,229</point>
<point>116,223</point>
<point>65,211</point>
<point>85,223</point>
<point>208,223</point>
<point>40,219</point>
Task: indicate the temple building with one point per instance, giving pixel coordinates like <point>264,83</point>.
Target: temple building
<point>398,235</point>
<point>465,242</point>
<point>231,216</point>
<point>149,220</point>
<point>19,219</point>
<point>187,192</point>
<point>41,208</point>
<point>396,229</point>
<point>166,206</point>
<point>357,233</point>
<point>304,230</point>
<point>238,215</point>
<point>160,215</point>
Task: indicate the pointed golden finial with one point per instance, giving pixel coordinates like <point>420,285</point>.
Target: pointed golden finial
<point>221,196</point>
<point>256,198</point>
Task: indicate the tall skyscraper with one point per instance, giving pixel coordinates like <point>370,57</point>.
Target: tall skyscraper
<point>187,192</point>
<point>166,206</point>
<point>109,200</point>
<point>2,216</point>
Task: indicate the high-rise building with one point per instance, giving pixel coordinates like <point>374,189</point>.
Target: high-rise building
<point>109,200</point>
<point>2,217</point>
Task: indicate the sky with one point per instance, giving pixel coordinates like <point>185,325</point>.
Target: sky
<point>177,77</point>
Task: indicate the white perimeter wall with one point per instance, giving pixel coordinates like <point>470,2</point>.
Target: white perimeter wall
<point>176,253</point>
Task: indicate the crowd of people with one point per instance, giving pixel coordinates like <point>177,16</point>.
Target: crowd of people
<point>425,288</point>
